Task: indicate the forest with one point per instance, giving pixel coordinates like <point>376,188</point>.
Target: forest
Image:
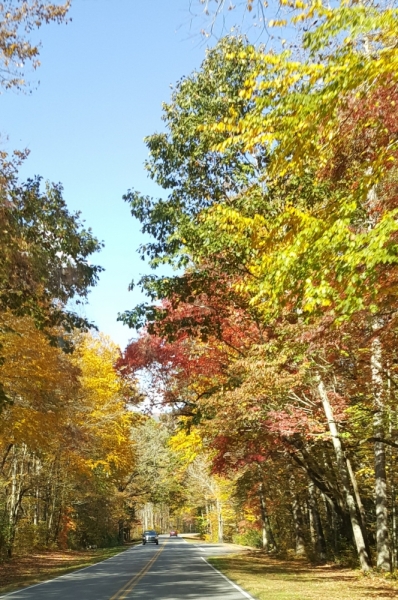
<point>266,355</point>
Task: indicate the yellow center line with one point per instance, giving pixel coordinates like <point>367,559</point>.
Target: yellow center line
<point>126,589</point>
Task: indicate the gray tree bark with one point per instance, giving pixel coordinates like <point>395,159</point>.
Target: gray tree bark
<point>319,538</point>
<point>297,519</point>
<point>220,521</point>
<point>361,507</point>
<point>268,538</point>
<point>382,536</point>
<point>364,558</point>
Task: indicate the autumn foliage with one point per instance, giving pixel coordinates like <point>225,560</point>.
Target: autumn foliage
<point>65,441</point>
<point>276,345</point>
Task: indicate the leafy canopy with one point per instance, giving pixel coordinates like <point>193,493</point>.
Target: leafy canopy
<point>18,19</point>
<point>45,253</point>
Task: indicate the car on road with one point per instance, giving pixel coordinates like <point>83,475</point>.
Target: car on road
<point>150,537</point>
<point>173,533</point>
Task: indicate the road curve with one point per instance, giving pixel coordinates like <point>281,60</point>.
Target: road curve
<point>174,570</point>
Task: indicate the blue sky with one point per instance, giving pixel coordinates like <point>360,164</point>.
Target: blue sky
<point>102,81</point>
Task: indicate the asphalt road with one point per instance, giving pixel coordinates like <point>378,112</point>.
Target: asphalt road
<point>173,570</point>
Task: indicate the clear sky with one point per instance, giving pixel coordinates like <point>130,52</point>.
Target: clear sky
<point>102,81</point>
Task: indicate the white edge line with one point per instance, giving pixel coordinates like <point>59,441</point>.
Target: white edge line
<point>29,587</point>
<point>235,585</point>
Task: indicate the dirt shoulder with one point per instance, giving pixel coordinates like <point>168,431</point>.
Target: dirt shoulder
<point>273,579</point>
<point>22,571</point>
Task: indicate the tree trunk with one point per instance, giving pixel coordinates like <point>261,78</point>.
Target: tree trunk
<point>297,520</point>
<point>121,532</point>
<point>268,538</point>
<point>209,523</point>
<point>35,468</point>
<point>394,528</point>
<point>16,493</point>
<point>361,507</point>
<point>12,503</point>
<point>312,525</point>
<point>319,541</point>
<point>342,467</point>
<point>382,537</point>
<point>52,508</point>
<point>265,539</point>
<point>220,522</point>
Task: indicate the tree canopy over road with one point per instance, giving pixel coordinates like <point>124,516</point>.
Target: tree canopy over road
<point>276,340</point>
<point>270,350</point>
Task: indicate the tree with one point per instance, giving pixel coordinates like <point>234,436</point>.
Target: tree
<point>66,452</point>
<point>304,247</point>
<point>184,163</point>
<point>355,228</point>
<point>44,256</point>
<point>40,383</point>
<point>18,18</point>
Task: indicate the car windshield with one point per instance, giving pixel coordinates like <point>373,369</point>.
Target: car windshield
<point>149,532</point>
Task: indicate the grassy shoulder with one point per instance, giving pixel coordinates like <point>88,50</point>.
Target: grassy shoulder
<point>23,571</point>
<point>269,578</point>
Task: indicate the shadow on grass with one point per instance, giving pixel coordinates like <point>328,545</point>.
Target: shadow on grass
<point>256,568</point>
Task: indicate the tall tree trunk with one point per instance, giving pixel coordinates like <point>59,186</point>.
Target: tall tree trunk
<point>16,493</point>
<point>263,510</point>
<point>297,519</point>
<point>53,500</point>
<point>319,541</point>
<point>342,467</point>
<point>151,521</point>
<point>209,523</point>
<point>382,537</point>
<point>36,509</point>
<point>394,528</point>
<point>361,507</point>
<point>268,538</point>
<point>12,502</point>
<point>121,532</point>
<point>328,520</point>
<point>220,521</point>
<point>312,526</point>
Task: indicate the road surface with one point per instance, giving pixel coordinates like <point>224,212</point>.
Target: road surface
<point>173,570</point>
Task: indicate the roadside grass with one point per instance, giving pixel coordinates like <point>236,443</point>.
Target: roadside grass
<point>22,571</point>
<point>267,578</point>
